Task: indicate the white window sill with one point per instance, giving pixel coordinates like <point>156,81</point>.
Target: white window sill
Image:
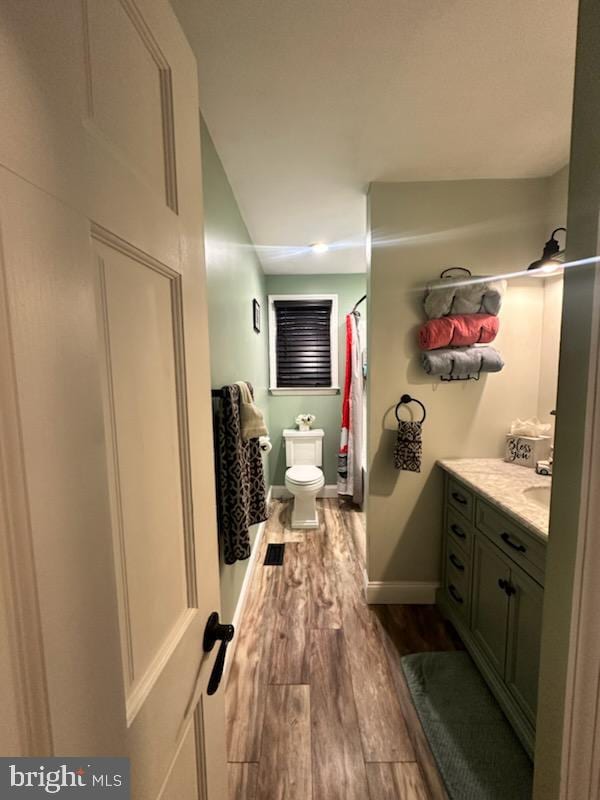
<point>291,390</point>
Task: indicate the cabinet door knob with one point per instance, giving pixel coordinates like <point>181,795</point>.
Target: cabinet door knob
<point>506,587</point>
<point>459,498</point>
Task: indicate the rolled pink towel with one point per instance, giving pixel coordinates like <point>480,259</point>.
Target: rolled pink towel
<point>458,330</point>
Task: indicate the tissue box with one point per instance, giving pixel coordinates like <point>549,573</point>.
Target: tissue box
<point>527,450</point>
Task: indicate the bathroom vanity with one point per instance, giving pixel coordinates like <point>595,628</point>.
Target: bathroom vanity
<point>495,532</point>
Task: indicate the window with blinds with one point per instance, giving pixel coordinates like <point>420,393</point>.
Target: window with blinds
<point>303,346</point>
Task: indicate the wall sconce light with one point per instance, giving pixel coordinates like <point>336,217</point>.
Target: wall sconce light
<point>549,260</point>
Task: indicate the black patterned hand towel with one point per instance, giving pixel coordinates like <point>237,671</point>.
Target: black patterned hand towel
<point>409,446</point>
<point>240,480</point>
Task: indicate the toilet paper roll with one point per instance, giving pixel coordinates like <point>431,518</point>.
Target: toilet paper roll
<point>265,444</point>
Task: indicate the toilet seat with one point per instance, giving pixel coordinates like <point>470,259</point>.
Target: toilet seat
<point>303,475</point>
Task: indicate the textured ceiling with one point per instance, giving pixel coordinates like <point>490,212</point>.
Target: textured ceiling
<point>308,101</point>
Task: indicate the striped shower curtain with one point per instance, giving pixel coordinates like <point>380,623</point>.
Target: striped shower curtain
<point>350,472</point>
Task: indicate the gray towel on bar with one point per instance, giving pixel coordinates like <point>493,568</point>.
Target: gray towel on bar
<point>461,296</point>
<point>462,362</point>
<point>409,447</point>
<point>240,479</point>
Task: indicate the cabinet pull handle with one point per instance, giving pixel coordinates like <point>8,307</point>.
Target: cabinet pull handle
<point>454,592</point>
<point>457,531</point>
<point>458,564</point>
<point>460,498</point>
<point>515,546</point>
<point>506,587</point>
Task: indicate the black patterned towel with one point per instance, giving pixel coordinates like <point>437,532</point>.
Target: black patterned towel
<point>240,480</point>
<point>409,447</point>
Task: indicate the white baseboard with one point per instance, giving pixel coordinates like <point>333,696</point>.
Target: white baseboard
<point>280,492</point>
<point>241,603</point>
<point>401,592</point>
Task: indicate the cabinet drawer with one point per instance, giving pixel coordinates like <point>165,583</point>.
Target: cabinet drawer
<point>516,542</point>
<point>459,531</point>
<point>458,563</point>
<point>460,498</point>
<point>456,588</point>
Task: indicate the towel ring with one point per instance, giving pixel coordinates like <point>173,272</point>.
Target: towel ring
<point>406,398</point>
<point>462,269</point>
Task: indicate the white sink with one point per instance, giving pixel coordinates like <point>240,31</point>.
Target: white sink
<point>540,495</point>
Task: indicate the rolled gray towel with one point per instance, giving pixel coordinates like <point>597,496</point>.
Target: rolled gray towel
<point>438,362</point>
<point>460,296</point>
<point>461,362</point>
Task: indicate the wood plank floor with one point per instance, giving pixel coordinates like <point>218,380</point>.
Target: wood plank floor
<point>317,705</point>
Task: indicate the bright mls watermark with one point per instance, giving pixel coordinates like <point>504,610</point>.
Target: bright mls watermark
<point>64,777</point>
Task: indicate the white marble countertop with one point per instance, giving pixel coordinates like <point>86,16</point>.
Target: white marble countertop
<point>505,485</point>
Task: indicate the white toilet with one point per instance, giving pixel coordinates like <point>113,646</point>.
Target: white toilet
<point>304,478</point>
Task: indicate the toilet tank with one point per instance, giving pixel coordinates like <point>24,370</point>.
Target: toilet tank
<point>303,447</point>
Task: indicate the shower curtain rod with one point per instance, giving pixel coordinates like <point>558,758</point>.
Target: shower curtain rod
<point>356,305</point>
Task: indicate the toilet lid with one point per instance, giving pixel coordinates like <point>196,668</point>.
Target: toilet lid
<point>303,474</point>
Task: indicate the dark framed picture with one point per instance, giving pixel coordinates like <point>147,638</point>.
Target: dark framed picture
<point>256,315</point>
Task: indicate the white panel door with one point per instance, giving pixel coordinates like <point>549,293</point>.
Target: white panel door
<point>108,487</point>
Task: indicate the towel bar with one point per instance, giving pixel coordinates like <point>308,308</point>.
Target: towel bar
<point>448,378</point>
<point>462,269</point>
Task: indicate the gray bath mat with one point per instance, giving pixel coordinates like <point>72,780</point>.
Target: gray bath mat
<point>476,750</point>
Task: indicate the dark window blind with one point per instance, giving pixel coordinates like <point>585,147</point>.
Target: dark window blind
<point>303,342</point>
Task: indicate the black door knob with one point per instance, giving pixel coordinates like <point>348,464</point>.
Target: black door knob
<point>214,632</point>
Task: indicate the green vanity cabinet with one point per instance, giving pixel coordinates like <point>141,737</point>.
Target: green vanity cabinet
<point>494,598</point>
<point>489,615</point>
<point>523,644</point>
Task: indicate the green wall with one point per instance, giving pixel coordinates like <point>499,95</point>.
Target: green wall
<point>327,408</point>
<point>234,278</point>
<point>237,352</point>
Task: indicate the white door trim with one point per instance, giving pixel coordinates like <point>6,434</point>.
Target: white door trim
<point>581,740</point>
